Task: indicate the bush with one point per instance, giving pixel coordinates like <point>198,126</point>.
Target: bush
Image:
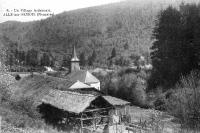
<point>160,103</point>
<point>184,102</point>
<point>139,95</point>
<point>26,105</point>
<point>20,113</point>
<point>129,86</point>
<point>4,95</point>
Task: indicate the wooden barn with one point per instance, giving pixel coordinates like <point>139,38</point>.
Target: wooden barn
<point>75,111</point>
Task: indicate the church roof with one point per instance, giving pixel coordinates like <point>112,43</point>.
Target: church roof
<point>82,76</point>
<point>79,85</point>
<point>74,58</point>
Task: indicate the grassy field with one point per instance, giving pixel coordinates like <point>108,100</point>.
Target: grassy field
<point>156,122</point>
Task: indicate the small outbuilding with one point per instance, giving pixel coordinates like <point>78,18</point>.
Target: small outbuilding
<point>74,111</point>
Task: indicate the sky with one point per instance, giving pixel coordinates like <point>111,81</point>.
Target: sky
<point>10,8</point>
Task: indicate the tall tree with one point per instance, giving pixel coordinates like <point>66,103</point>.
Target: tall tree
<point>66,61</point>
<point>166,48</point>
<point>113,53</point>
<point>82,59</point>
<point>191,35</point>
<point>92,58</point>
<point>45,61</point>
<point>32,58</point>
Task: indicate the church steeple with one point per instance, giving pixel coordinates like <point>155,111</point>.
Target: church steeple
<point>74,61</point>
<point>74,57</point>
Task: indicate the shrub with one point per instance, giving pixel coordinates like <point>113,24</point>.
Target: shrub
<point>17,77</point>
<point>139,95</point>
<point>184,102</point>
<point>129,86</point>
<point>27,106</point>
<point>160,103</point>
<point>4,95</point>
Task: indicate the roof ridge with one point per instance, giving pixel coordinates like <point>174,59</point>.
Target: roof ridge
<point>91,75</point>
<point>59,78</point>
<point>73,93</point>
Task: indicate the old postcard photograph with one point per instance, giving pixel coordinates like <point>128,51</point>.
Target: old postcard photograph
<point>99,66</point>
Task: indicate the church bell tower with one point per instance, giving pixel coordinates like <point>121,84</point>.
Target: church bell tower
<point>75,61</point>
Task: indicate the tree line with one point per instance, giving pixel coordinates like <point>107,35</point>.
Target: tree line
<point>35,58</point>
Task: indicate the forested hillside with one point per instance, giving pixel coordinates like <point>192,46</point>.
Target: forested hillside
<point>124,27</point>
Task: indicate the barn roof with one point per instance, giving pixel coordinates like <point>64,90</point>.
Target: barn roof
<point>115,101</point>
<point>83,76</point>
<point>76,102</point>
<point>37,86</point>
<point>69,101</point>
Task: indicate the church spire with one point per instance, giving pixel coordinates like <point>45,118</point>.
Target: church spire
<point>74,58</point>
<point>74,61</point>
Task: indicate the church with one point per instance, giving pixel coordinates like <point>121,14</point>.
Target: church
<point>81,77</point>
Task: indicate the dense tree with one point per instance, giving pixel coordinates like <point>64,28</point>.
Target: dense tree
<point>176,47</point>
<point>82,59</point>
<point>110,58</point>
<point>32,58</point>
<point>113,53</point>
<point>125,85</point>
<point>191,34</point>
<point>122,61</point>
<point>45,61</point>
<point>66,61</point>
<point>92,58</point>
<point>22,57</point>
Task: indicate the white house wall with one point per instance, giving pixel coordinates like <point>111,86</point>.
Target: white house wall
<point>95,85</point>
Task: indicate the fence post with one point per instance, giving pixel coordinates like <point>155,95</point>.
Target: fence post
<point>81,123</point>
